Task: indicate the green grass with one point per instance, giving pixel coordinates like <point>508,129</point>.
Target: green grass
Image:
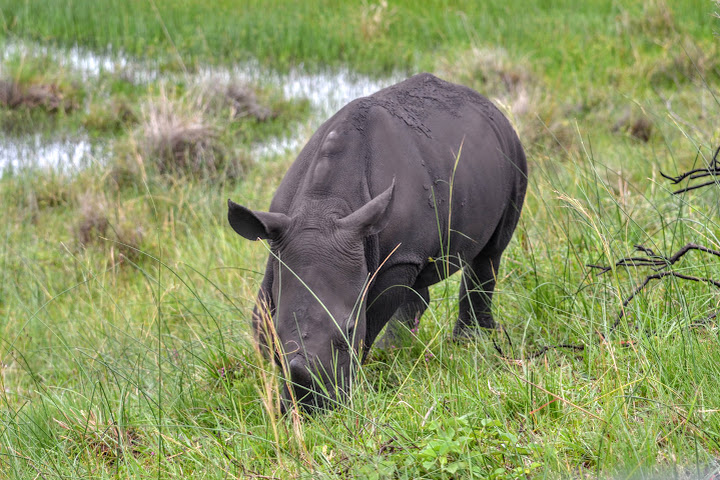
<point>125,297</point>
<point>368,36</point>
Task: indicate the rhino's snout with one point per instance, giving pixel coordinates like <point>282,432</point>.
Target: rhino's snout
<point>300,374</point>
<point>301,386</point>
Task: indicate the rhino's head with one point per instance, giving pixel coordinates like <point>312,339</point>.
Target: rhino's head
<point>319,274</point>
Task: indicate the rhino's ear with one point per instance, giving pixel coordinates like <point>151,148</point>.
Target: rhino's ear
<point>372,217</point>
<point>256,225</point>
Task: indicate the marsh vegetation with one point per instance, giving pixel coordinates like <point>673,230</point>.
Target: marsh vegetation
<point>125,298</point>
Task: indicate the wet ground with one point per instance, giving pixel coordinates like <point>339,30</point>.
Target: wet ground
<point>327,92</point>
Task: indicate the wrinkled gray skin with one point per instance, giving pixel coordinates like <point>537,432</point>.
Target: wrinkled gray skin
<point>375,176</point>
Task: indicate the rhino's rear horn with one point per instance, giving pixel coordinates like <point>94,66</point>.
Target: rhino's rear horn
<point>256,225</point>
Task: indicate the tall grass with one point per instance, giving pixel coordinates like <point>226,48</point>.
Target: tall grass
<point>368,36</point>
<point>133,357</point>
<point>103,361</point>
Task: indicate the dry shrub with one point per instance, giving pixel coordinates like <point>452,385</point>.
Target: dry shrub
<point>688,63</point>
<point>182,135</point>
<point>105,438</point>
<point>655,20</point>
<point>240,99</point>
<point>47,96</point>
<point>98,224</point>
<point>375,19</point>
<point>637,125</point>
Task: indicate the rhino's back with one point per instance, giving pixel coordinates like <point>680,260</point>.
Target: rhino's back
<point>428,134</point>
<point>456,158</point>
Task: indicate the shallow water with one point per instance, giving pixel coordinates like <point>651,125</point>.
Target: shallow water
<point>35,151</point>
<point>327,93</point>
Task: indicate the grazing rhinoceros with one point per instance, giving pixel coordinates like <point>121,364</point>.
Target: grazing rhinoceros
<point>394,193</point>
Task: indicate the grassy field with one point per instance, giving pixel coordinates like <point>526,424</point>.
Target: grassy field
<point>125,297</point>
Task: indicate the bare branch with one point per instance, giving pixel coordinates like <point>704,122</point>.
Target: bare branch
<point>542,351</point>
<point>713,170</point>
<point>657,263</point>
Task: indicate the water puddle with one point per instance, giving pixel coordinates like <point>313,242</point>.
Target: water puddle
<point>327,93</point>
<point>85,64</point>
<point>37,152</point>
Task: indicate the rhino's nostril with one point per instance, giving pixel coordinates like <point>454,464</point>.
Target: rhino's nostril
<point>299,373</point>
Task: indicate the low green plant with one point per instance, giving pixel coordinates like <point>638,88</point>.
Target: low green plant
<point>146,368</point>
<point>458,446</point>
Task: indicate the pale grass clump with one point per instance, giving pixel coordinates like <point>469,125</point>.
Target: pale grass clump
<point>637,125</point>
<point>47,96</point>
<point>656,20</point>
<point>178,136</point>
<point>100,224</point>
<point>686,62</point>
<point>492,72</point>
<point>238,99</point>
<point>105,438</point>
<point>52,189</point>
<point>375,19</point>
<point>190,133</point>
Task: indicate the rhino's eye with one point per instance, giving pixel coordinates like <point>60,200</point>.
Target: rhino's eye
<point>350,330</point>
<point>342,344</point>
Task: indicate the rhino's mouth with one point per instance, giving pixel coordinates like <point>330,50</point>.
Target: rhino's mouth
<point>308,398</point>
<point>310,390</point>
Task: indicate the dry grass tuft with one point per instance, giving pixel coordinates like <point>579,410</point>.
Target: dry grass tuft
<point>47,96</point>
<point>94,222</point>
<point>97,224</point>
<point>110,115</point>
<point>104,438</point>
<point>243,102</point>
<point>182,135</point>
<point>490,70</point>
<point>638,126</point>
<point>656,20</point>
<point>179,139</point>
<point>641,129</point>
<point>10,94</point>
<point>375,19</point>
<point>49,190</point>
<point>689,63</point>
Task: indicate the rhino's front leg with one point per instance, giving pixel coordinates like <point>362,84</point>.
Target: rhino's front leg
<point>389,292</point>
<point>406,317</point>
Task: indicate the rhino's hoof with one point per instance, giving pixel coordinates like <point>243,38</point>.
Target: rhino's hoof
<point>465,333</point>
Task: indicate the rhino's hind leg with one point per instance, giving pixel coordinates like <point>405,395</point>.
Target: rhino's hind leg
<point>476,291</point>
<point>406,318</point>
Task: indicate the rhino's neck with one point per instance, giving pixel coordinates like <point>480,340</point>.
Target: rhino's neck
<point>371,245</point>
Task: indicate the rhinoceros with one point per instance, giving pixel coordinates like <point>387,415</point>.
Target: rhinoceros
<point>394,193</point>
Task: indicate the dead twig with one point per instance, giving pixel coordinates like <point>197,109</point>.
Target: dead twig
<point>652,259</point>
<point>542,351</point>
<point>712,170</point>
<point>657,263</point>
